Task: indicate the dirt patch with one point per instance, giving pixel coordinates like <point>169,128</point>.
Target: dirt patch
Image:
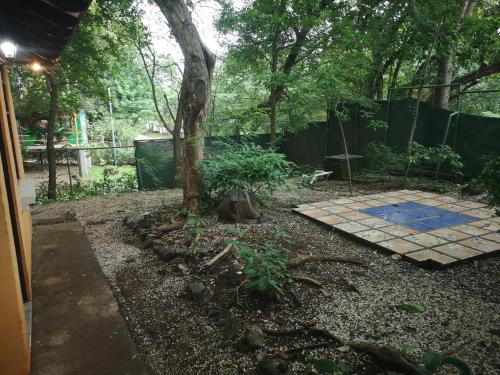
<point>178,335</point>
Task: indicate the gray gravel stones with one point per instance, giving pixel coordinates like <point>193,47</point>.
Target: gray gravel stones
<point>172,332</point>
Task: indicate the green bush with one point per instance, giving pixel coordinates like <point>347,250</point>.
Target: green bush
<point>489,179</point>
<point>383,159</point>
<point>124,156</point>
<point>244,166</point>
<point>112,180</point>
<point>265,263</point>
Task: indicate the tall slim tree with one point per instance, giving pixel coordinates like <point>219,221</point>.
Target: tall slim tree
<point>195,96</point>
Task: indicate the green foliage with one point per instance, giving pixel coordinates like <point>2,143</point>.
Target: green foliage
<point>112,180</point>
<point>329,366</point>
<point>195,225</point>
<point>422,156</point>
<point>405,348</point>
<point>265,262</point>
<point>383,159</point>
<point>489,179</point>
<point>244,166</point>
<point>433,361</point>
<point>413,307</point>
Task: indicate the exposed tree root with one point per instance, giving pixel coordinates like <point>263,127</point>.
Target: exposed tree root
<point>388,357</point>
<point>383,355</point>
<point>167,228</point>
<point>294,263</point>
<point>310,281</point>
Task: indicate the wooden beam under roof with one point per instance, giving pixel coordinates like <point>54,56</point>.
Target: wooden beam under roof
<point>40,28</point>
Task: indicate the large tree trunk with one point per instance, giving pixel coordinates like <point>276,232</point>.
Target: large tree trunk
<point>195,98</point>
<point>445,65</point>
<point>445,73</point>
<point>51,152</point>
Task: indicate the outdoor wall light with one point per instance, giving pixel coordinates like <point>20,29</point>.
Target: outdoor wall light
<point>36,67</point>
<point>9,49</point>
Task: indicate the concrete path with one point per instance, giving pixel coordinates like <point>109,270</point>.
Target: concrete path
<point>77,327</point>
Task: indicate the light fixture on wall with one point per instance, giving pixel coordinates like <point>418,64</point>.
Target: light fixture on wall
<point>9,49</point>
<point>36,67</point>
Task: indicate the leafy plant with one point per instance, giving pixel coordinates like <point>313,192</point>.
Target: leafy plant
<point>194,226</point>
<point>382,158</point>
<point>413,307</point>
<point>405,348</point>
<point>433,361</point>
<point>109,180</point>
<point>422,156</point>
<point>329,366</point>
<point>265,263</point>
<point>245,166</point>
<point>489,179</point>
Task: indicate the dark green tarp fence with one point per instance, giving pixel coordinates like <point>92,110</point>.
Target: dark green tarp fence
<point>155,163</point>
<point>473,137</point>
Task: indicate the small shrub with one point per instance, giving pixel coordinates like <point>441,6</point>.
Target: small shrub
<point>265,263</point>
<point>194,227</point>
<point>246,166</point>
<point>489,179</point>
<point>112,180</point>
<point>382,158</point>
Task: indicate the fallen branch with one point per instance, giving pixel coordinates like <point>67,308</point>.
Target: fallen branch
<point>216,258</point>
<point>391,358</point>
<point>310,281</point>
<point>294,263</point>
<point>388,357</point>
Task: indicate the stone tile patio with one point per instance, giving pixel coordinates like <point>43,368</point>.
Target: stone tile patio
<point>420,226</point>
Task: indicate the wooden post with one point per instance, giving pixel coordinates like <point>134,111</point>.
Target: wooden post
<point>22,220</point>
<point>14,345</point>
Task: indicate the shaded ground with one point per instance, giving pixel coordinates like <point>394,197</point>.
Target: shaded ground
<point>77,328</point>
<point>177,335</point>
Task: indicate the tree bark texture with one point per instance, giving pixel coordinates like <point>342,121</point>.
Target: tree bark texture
<point>445,72</point>
<point>51,152</point>
<point>445,60</point>
<point>195,97</point>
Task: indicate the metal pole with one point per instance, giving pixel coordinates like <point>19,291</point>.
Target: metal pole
<point>459,106</point>
<point>387,114</point>
<point>112,125</point>
<point>69,174</point>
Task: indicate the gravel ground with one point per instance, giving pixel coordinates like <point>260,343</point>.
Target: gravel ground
<point>177,335</point>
